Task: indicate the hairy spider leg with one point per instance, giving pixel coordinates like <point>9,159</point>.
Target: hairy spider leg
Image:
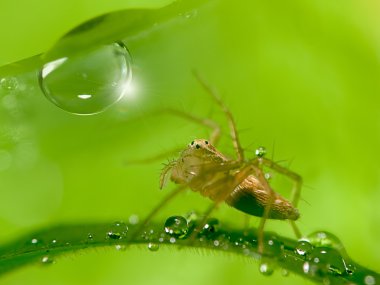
<point>231,122</point>
<point>296,191</point>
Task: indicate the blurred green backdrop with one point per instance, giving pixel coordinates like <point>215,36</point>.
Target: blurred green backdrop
<point>302,76</point>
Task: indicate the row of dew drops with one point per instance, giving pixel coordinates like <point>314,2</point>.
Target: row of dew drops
<point>321,254</point>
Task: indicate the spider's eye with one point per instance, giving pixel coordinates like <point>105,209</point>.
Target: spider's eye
<point>197,146</point>
<point>192,143</point>
<point>206,142</point>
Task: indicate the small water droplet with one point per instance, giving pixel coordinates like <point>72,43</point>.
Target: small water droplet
<point>211,227</point>
<point>172,240</point>
<point>133,219</point>
<point>153,246</point>
<point>260,151</point>
<point>216,242</point>
<point>190,14</point>
<point>118,231</point>
<point>284,272</point>
<point>88,83</point>
<point>272,246</point>
<point>303,248</point>
<point>47,260</point>
<point>9,83</point>
<point>90,236</point>
<point>54,241</point>
<point>34,241</point>
<point>369,280</point>
<point>266,268</point>
<point>176,226</point>
<point>120,247</point>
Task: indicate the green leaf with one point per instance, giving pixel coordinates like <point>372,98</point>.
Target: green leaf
<point>333,265</point>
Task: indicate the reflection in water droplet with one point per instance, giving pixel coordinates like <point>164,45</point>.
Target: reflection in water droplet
<point>8,83</point>
<point>88,83</point>
<point>176,226</point>
<point>34,241</point>
<point>153,246</point>
<point>260,151</point>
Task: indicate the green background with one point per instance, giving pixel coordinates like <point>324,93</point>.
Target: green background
<point>301,78</point>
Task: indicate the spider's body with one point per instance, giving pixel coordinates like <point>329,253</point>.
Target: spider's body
<point>204,169</point>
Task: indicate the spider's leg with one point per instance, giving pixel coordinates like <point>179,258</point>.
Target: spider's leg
<point>216,130</point>
<point>231,122</point>
<point>297,183</point>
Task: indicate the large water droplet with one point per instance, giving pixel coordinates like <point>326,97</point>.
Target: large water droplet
<point>90,82</point>
<point>176,226</point>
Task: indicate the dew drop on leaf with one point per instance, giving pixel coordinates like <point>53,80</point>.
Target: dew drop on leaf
<point>47,260</point>
<point>89,82</point>
<point>153,246</point>
<point>118,231</point>
<point>260,151</point>
<point>176,226</point>
<point>8,83</point>
<point>369,280</point>
<point>303,248</point>
<point>266,268</point>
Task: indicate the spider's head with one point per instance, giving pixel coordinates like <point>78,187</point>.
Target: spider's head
<point>201,144</point>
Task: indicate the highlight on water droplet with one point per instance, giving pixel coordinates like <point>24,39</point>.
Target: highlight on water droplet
<point>89,82</point>
<point>176,226</point>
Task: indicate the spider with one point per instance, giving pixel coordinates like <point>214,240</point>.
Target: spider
<point>239,182</point>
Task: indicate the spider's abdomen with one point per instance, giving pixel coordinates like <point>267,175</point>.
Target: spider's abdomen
<point>250,198</point>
